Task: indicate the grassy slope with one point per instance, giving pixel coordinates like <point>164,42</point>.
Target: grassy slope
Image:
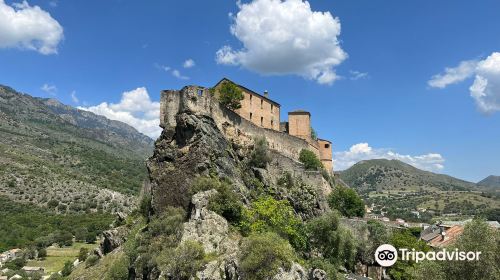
<point>56,257</point>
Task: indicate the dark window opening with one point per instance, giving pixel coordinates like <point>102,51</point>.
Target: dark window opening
<point>272,123</point>
<point>327,146</point>
<point>272,108</point>
<point>261,121</point>
<point>261,103</point>
<point>200,92</point>
<point>250,116</point>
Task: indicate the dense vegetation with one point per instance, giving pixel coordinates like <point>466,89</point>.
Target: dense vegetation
<point>310,160</point>
<point>22,225</point>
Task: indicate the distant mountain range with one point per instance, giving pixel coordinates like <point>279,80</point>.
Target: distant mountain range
<point>53,152</point>
<point>383,174</point>
<point>490,182</point>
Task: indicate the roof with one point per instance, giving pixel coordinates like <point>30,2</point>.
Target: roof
<point>451,235</point>
<point>320,139</point>
<point>249,90</point>
<point>299,112</point>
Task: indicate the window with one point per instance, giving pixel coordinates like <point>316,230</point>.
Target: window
<point>200,92</point>
<point>261,103</point>
<point>250,116</point>
<point>272,123</point>
<point>261,121</point>
<point>272,108</point>
<point>250,99</point>
<point>327,146</point>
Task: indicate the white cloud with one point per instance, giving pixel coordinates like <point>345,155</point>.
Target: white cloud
<point>178,75</point>
<point>453,75</point>
<point>485,89</point>
<point>356,75</point>
<point>363,151</point>
<point>28,27</point>
<point>74,98</point>
<point>162,67</point>
<point>135,108</point>
<point>50,89</point>
<point>285,37</point>
<point>189,63</point>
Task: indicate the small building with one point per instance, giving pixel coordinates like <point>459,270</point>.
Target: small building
<point>33,269</point>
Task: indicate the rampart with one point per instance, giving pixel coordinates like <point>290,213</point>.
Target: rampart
<point>199,100</point>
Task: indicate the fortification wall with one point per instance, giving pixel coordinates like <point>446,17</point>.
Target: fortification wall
<point>199,100</point>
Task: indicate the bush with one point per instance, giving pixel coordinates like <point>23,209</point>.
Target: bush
<point>91,261</point>
<point>262,254</point>
<point>230,95</point>
<point>329,268</point>
<point>347,202</point>
<point>333,241</point>
<point>260,155</point>
<point>268,214</point>
<point>119,269</point>
<point>183,262</point>
<point>82,255</point>
<point>310,160</point>
<point>67,269</point>
<point>169,222</point>
<point>225,203</point>
<point>42,253</point>
<point>145,205</point>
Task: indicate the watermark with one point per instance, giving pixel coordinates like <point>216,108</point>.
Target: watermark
<point>386,255</point>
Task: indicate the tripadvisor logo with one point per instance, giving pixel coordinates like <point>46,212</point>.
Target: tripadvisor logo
<point>386,255</point>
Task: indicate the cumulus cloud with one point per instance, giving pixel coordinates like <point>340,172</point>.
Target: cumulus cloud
<point>363,151</point>
<point>50,89</point>
<point>74,98</point>
<point>135,108</point>
<point>485,89</point>
<point>28,27</point>
<point>188,63</point>
<point>453,75</point>
<point>285,37</point>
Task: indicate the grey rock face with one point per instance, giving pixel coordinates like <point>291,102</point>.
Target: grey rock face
<point>296,272</point>
<point>317,274</point>
<point>113,239</point>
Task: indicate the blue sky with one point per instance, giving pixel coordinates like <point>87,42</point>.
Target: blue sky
<point>385,78</point>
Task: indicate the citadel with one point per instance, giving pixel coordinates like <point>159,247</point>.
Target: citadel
<point>258,116</point>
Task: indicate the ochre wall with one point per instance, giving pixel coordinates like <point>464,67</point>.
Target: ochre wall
<point>299,124</point>
<point>325,154</point>
<point>258,110</point>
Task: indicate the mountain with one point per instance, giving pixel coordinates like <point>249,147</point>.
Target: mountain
<point>57,156</point>
<point>397,189</point>
<point>383,174</point>
<point>490,182</point>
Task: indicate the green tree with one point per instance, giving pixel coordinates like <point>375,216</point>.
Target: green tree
<point>347,202</point>
<point>260,155</point>
<point>268,214</point>
<point>42,253</point>
<point>335,242</point>
<point>262,254</point>
<point>230,95</point>
<point>404,239</point>
<point>310,160</point>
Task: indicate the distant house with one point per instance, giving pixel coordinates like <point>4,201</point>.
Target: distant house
<point>441,235</point>
<point>33,269</point>
<point>385,219</point>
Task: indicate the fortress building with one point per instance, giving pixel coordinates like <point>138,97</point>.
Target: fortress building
<point>258,116</point>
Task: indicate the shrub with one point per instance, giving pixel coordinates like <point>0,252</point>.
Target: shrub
<point>262,254</point>
<point>82,255</point>
<point>230,95</point>
<point>53,203</point>
<point>145,205</point>
<point>183,262</point>
<point>91,261</point>
<point>67,269</point>
<point>169,222</point>
<point>260,155</point>
<point>119,269</point>
<point>347,202</point>
<point>333,241</point>
<point>225,203</point>
<point>42,253</point>
<point>329,268</point>
<point>310,160</point>
<point>268,214</point>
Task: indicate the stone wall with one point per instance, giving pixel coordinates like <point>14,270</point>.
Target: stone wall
<point>199,100</point>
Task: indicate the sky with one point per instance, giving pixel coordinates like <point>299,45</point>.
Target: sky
<point>417,81</point>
